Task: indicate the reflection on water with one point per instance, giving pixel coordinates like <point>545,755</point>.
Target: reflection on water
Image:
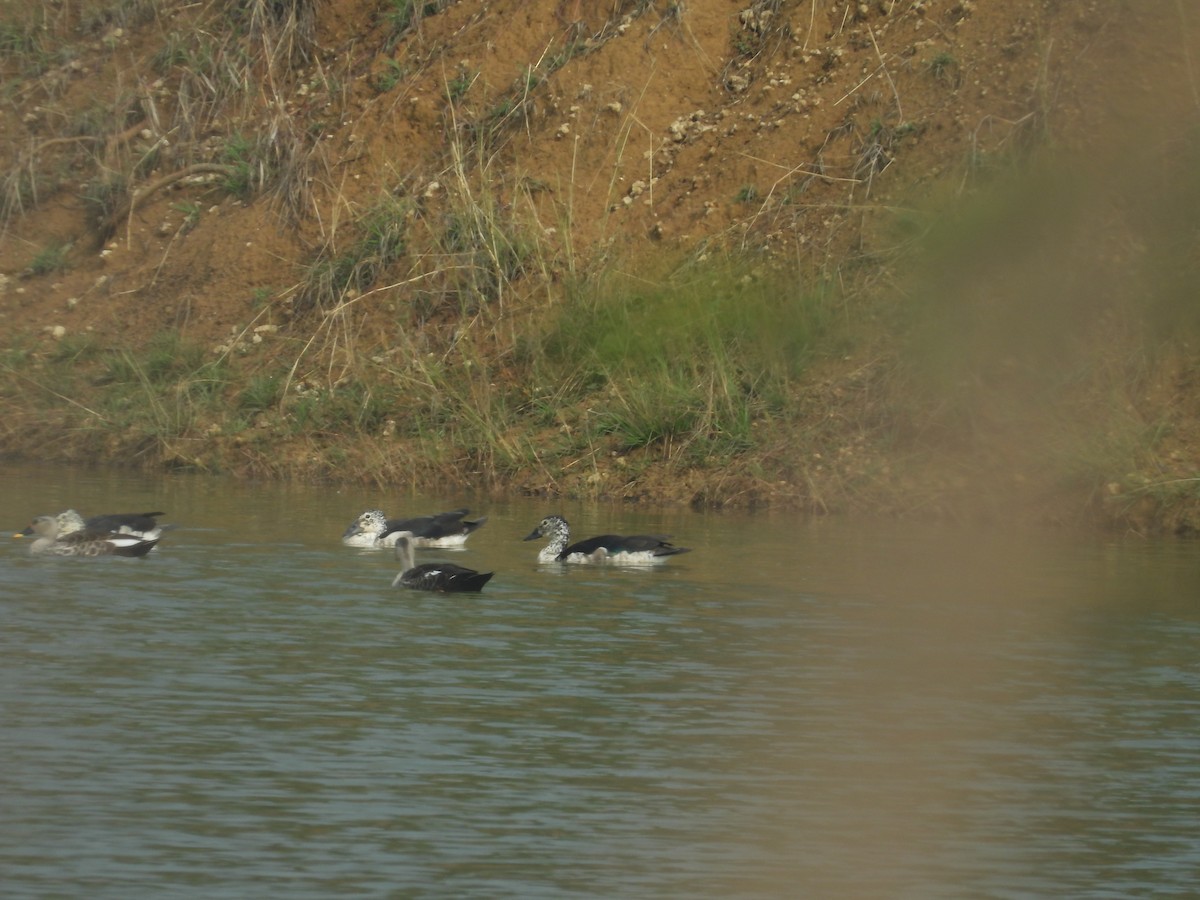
<point>824,709</point>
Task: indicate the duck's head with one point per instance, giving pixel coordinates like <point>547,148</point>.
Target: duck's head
<point>404,552</point>
<point>42,526</point>
<point>370,523</point>
<point>49,526</point>
<point>549,526</point>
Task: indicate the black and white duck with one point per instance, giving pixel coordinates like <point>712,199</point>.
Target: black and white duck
<point>440,576</point>
<point>449,529</point>
<point>84,542</point>
<point>634,549</point>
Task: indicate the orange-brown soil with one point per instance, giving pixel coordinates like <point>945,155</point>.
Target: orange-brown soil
<point>621,132</point>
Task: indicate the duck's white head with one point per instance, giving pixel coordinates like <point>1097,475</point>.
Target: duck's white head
<point>45,531</point>
<point>551,527</point>
<point>364,530</point>
<point>557,530</point>
<point>46,527</point>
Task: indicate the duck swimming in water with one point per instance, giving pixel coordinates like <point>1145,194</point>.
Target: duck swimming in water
<point>143,525</point>
<point>442,576</point>
<point>84,542</point>
<point>449,529</point>
<point>635,549</point>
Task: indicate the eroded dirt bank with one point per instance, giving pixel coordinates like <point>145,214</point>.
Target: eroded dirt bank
<point>327,240</point>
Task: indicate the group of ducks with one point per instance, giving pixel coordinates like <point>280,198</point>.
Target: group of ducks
<point>451,529</point>
<point>136,534</point>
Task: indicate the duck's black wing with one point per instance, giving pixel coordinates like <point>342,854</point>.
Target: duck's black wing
<point>607,542</point>
<point>655,544</point>
<point>416,526</point>
<point>420,525</point>
<point>451,523</point>
<point>445,577</point>
<point>658,544</point>
<point>438,525</point>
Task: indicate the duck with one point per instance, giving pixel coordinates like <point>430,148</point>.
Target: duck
<point>84,542</point>
<point>449,529</point>
<point>444,577</point>
<point>143,524</point>
<point>635,549</point>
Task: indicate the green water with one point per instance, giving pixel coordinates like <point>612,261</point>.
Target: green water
<point>794,709</point>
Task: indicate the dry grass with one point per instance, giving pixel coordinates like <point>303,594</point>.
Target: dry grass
<point>834,343</point>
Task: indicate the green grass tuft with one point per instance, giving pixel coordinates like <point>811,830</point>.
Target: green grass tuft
<point>697,360</point>
<point>52,258</point>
